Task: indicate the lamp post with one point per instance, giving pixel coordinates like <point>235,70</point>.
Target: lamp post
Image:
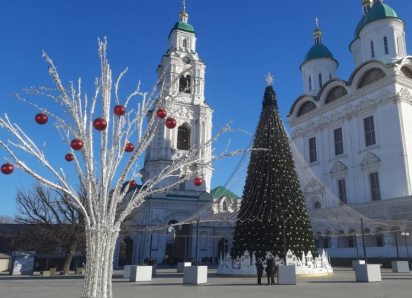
<point>406,234</point>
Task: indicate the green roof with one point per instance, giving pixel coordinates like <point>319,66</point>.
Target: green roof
<point>318,51</point>
<point>377,12</point>
<point>182,26</point>
<point>220,192</point>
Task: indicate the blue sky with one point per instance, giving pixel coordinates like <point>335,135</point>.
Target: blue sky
<point>240,41</point>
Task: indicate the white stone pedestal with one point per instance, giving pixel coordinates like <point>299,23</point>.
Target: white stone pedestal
<point>368,273</point>
<point>400,266</point>
<point>195,275</point>
<point>141,273</point>
<point>181,266</point>
<point>287,275</point>
<point>126,271</point>
<point>356,263</point>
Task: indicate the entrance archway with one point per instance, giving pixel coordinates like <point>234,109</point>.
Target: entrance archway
<point>178,243</point>
<point>125,252</point>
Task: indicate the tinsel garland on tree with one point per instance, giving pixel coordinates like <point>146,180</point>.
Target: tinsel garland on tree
<point>272,194</point>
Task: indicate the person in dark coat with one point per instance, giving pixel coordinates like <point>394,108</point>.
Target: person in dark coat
<point>271,270</point>
<point>259,270</point>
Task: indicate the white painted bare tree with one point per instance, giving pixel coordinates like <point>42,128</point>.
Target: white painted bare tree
<point>101,176</point>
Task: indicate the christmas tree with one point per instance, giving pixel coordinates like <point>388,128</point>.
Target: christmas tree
<point>272,196</point>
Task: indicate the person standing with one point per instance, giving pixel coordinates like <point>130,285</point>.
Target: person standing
<point>259,270</point>
<point>271,270</point>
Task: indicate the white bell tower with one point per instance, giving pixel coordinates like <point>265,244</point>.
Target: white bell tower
<point>182,68</point>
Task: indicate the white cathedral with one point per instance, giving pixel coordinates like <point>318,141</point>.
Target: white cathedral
<point>354,134</point>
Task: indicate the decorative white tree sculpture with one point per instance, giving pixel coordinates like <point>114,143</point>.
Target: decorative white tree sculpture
<point>102,179</point>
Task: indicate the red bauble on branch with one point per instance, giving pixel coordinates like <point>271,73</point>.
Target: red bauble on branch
<point>129,147</point>
<point>170,123</point>
<point>99,124</point>
<point>41,118</point>
<point>198,181</point>
<point>76,144</point>
<point>132,183</point>
<point>7,169</point>
<point>119,110</point>
<point>69,157</point>
<point>161,113</point>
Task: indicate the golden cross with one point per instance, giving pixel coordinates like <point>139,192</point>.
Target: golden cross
<point>317,23</point>
<point>184,5</point>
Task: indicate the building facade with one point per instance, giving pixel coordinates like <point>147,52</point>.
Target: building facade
<point>355,134</point>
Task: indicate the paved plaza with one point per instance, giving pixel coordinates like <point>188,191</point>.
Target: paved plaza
<point>169,284</point>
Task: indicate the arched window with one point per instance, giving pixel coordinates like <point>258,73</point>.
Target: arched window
<point>342,240</point>
<point>352,238</point>
<point>318,205</point>
<point>224,206</point>
<point>379,239</point>
<point>184,84</point>
<point>320,81</point>
<point>310,83</point>
<point>372,50</point>
<point>335,93</point>
<point>371,76</point>
<point>306,108</point>
<point>183,138</point>
<point>385,42</point>
<point>184,43</point>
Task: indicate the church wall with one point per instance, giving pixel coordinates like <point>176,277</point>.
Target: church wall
<point>405,110</point>
<point>389,164</point>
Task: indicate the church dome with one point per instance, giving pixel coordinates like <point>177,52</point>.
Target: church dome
<point>183,26</point>
<point>377,12</point>
<point>318,51</point>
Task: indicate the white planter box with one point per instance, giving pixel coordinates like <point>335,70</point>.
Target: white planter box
<point>126,271</point>
<point>356,263</point>
<point>400,266</point>
<point>140,273</point>
<point>368,273</point>
<point>195,275</point>
<point>181,266</point>
<point>287,275</point>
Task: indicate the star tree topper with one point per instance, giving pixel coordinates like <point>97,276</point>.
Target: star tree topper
<point>269,79</point>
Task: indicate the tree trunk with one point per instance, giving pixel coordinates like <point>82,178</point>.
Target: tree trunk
<point>69,258</point>
<point>100,244</point>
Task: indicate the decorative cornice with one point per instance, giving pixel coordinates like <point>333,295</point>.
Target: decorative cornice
<point>347,112</point>
<point>405,95</point>
<point>338,167</point>
<point>384,82</point>
<point>369,159</point>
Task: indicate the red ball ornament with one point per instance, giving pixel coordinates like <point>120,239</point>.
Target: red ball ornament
<point>161,113</point>
<point>129,147</point>
<point>41,118</point>
<point>132,183</point>
<point>69,157</point>
<point>99,124</point>
<point>7,169</point>
<point>198,181</point>
<point>119,110</point>
<point>170,123</point>
<point>76,144</point>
